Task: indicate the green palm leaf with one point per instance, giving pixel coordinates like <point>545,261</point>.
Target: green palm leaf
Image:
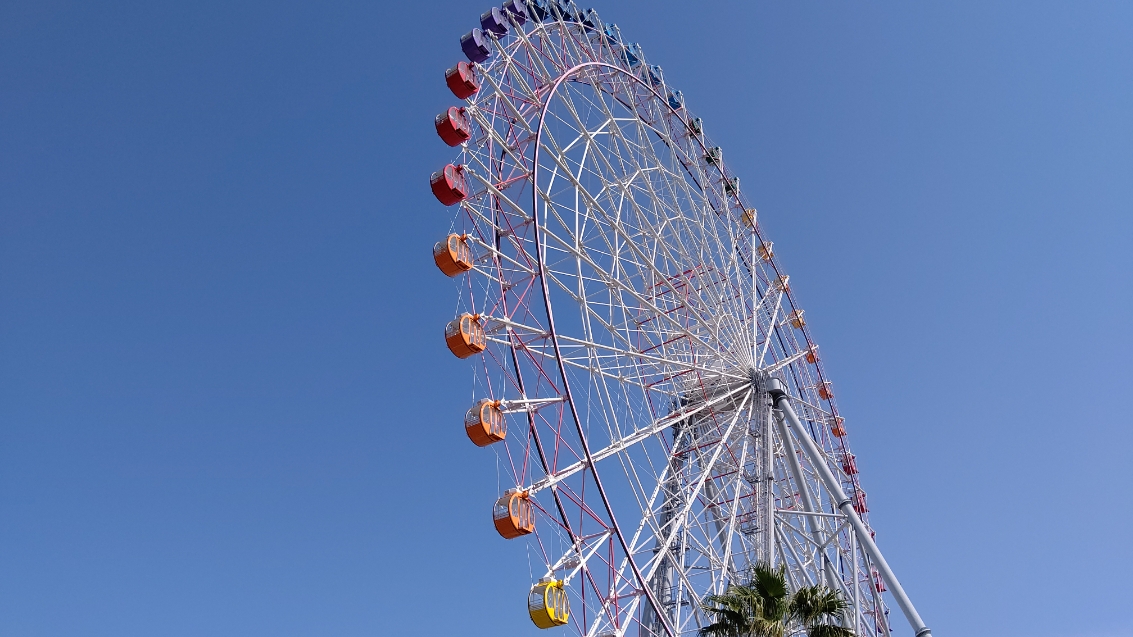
<point>764,607</point>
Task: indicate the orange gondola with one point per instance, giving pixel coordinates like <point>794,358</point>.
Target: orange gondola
<point>812,354</point>
<point>825,390</point>
<point>453,255</point>
<point>484,423</point>
<point>514,515</point>
<point>465,336</point>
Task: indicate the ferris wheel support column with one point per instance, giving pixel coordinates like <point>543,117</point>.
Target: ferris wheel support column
<point>808,504</point>
<point>778,393</point>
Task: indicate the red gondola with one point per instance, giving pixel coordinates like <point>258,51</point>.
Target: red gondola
<point>453,127</point>
<point>461,80</point>
<point>448,185</point>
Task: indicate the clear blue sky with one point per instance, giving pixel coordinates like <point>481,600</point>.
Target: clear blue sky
<point>226,408</point>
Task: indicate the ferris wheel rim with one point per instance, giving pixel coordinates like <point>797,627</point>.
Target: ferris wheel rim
<point>554,336</point>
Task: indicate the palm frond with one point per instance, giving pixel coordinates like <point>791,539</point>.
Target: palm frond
<point>810,605</point>
<point>769,582</point>
<point>719,629</point>
<point>770,585</point>
<point>829,630</point>
<point>763,627</point>
<point>731,611</point>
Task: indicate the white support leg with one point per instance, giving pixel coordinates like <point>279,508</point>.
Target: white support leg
<point>778,393</point>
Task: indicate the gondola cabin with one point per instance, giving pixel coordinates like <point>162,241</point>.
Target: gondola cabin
<point>837,429</point>
<point>825,390</point>
<point>453,127</point>
<point>465,336</point>
<point>547,604</point>
<point>493,20</point>
<point>859,502</point>
<point>516,10</point>
<point>849,464</point>
<point>453,255</point>
<point>475,46</point>
<point>461,80</point>
<point>812,354</point>
<point>448,185</point>
<point>484,423</point>
<point>796,319</point>
<point>513,515</point>
<point>764,251</point>
<point>539,9</point>
<point>590,19</point>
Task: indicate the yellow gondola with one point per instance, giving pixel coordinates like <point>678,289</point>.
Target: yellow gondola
<point>547,604</point>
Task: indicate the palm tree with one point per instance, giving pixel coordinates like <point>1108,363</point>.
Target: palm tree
<point>764,608</point>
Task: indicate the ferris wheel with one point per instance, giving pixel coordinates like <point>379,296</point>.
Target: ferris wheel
<point>641,367</point>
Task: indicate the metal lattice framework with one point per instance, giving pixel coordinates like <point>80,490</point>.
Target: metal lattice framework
<point>667,413</point>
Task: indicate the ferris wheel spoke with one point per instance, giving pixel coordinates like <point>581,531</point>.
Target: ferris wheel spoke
<point>492,188</point>
<point>622,336</point>
<point>493,252</point>
<point>729,569</point>
<point>611,281</point>
<point>533,53</point>
<point>594,204</point>
<point>677,328</point>
<point>650,519</point>
<point>674,181</point>
<point>678,521</point>
<point>503,98</point>
<point>772,321</point>
<point>553,46</point>
<point>519,160</point>
<point>632,439</point>
<point>515,73</point>
<point>684,365</point>
<point>488,224</point>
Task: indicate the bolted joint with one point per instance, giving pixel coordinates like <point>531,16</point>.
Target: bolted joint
<point>924,632</point>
